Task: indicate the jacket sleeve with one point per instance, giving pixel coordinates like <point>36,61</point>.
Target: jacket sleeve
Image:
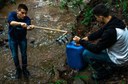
<point>107,40</point>
<point>95,35</point>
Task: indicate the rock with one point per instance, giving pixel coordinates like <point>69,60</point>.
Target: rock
<point>78,81</point>
<point>1,28</point>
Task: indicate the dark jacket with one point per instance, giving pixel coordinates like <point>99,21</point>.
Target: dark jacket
<point>107,36</point>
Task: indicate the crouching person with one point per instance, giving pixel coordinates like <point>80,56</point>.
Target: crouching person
<point>112,46</point>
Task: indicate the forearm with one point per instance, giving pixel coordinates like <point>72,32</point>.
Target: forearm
<point>15,23</point>
<point>95,35</point>
<point>95,48</point>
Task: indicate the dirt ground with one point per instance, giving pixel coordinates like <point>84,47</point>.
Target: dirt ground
<point>45,55</point>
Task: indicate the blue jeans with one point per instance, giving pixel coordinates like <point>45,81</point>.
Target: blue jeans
<point>22,44</point>
<point>97,60</point>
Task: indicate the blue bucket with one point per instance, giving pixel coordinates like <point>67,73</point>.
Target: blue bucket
<point>74,56</point>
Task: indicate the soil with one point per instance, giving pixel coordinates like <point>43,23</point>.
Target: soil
<point>46,58</point>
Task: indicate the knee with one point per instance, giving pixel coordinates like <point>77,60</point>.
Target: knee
<point>85,53</point>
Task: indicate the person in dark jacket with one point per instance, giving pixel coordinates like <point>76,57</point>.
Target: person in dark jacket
<point>112,46</point>
<point>18,24</point>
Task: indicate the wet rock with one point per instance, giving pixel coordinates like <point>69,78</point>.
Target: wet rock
<point>4,42</point>
<point>78,81</point>
<point>1,28</point>
<point>1,43</point>
<point>87,1</point>
<point>66,73</point>
<point>32,42</point>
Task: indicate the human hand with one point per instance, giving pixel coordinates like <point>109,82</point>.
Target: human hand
<point>31,27</point>
<point>24,25</point>
<point>85,38</point>
<point>76,39</point>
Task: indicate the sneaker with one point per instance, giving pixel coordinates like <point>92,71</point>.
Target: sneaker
<point>18,74</point>
<point>26,73</point>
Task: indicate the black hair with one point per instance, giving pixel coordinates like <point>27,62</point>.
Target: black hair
<point>22,6</point>
<point>101,9</point>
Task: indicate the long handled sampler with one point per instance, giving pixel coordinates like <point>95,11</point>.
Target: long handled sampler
<point>62,39</point>
<point>47,28</point>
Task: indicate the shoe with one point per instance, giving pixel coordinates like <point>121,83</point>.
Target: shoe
<point>18,74</point>
<point>26,73</point>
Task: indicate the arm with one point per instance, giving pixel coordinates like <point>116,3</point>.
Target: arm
<point>28,22</point>
<point>15,23</point>
<point>106,41</point>
<point>96,35</point>
<point>77,39</point>
<point>85,38</point>
<point>12,20</point>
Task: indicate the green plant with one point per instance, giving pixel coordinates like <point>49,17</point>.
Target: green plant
<point>63,4</point>
<point>4,2</point>
<point>60,82</point>
<point>77,4</point>
<point>87,15</point>
<point>12,1</point>
<point>123,4</point>
<point>81,77</point>
<point>74,4</point>
<point>125,7</point>
<point>71,4</point>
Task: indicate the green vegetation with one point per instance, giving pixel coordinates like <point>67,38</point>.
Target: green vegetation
<point>87,15</point>
<point>80,6</point>
<point>121,5</point>
<point>73,4</point>
<point>5,2</point>
<point>60,82</point>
